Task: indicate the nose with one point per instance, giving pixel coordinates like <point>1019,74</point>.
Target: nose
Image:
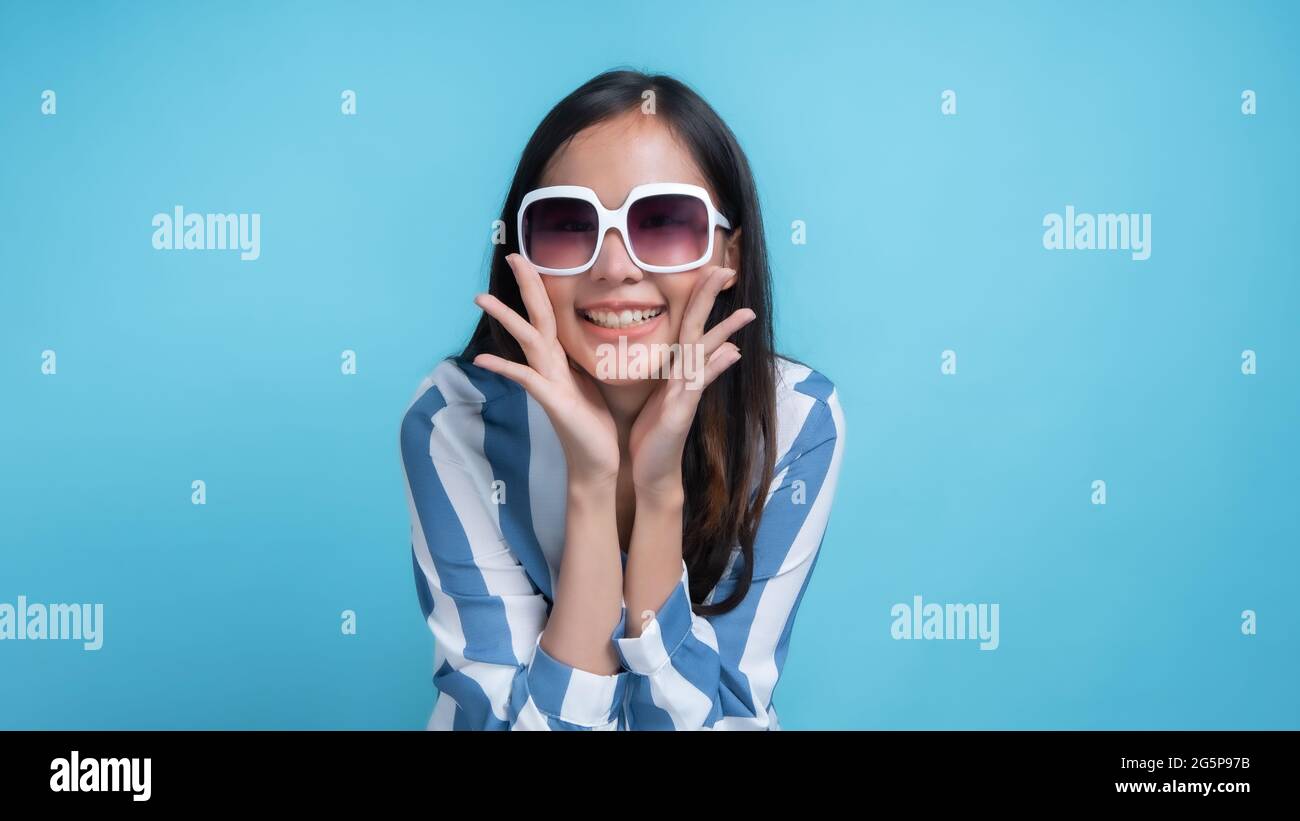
<point>614,263</point>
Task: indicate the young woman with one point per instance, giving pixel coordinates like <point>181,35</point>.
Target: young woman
<point>591,546</point>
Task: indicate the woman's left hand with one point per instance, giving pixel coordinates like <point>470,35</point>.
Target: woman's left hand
<point>658,436</point>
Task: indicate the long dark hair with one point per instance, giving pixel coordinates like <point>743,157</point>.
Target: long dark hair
<point>729,455</point>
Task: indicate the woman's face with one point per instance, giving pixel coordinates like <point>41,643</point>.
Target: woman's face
<point>611,158</point>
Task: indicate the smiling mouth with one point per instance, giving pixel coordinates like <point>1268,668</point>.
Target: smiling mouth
<point>620,319</point>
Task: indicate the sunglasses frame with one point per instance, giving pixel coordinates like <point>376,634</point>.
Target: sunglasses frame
<point>617,219</point>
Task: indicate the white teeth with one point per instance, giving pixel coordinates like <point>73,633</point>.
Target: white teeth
<point>622,319</point>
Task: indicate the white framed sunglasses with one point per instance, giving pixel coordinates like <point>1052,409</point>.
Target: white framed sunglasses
<point>666,227</point>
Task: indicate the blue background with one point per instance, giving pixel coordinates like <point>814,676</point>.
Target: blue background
<point>924,234</point>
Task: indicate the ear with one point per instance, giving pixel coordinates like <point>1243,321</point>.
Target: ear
<point>731,255</point>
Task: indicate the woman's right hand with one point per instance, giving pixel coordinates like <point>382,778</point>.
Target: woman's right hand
<point>568,395</point>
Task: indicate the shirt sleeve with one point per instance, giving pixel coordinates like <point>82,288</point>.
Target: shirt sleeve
<point>693,672</point>
<point>486,615</point>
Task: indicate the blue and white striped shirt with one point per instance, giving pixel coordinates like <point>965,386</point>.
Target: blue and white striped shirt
<point>486,485</point>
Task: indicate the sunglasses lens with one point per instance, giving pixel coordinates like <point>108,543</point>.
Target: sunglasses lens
<point>669,229</point>
<point>560,232</point>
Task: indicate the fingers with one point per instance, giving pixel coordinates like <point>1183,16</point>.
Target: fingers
<point>714,342</point>
<point>706,292</point>
<point>526,377</point>
<point>535,335</point>
<point>724,357</point>
<point>690,387</point>
<point>534,293</point>
<point>723,330</point>
<point>525,334</point>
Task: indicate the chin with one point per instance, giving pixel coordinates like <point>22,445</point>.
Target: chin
<point>621,383</point>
